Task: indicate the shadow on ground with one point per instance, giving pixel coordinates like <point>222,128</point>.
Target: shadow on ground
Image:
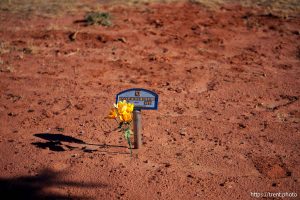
<point>33,187</point>
<point>59,142</point>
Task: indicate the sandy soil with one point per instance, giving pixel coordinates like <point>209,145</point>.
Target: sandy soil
<point>228,117</point>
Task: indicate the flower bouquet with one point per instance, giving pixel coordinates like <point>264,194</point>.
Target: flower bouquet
<point>122,113</point>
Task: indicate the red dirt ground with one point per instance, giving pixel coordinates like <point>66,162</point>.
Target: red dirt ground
<point>228,117</point>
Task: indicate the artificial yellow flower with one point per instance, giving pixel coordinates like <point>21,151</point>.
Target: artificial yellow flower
<point>126,117</point>
<point>122,107</point>
<point>123,111</point>
<point>130,107</point>
<point>113,114</point>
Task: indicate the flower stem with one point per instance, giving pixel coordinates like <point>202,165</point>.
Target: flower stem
<point>130,147</point>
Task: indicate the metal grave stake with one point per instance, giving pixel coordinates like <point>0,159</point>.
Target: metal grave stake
<point>143,100</point>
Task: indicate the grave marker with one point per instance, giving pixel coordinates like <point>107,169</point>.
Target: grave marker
<point>143,100</point>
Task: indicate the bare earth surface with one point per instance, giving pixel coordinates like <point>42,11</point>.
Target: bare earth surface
<point>228,117</point>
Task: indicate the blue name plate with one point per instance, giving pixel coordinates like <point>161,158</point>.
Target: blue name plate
<point>141,98</point>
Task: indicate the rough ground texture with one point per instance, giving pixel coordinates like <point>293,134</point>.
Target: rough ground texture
<point>228,117</point>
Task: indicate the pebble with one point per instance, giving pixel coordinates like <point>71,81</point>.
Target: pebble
<point>167,164</point>
<point>12,114</point>
<point>122,39</point>
<point>46,113</point>
<point>242,125</point>
<point>79,106</point>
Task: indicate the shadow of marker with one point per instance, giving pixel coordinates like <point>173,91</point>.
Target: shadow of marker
<point>53,146</point>
<point>59,138</point>
<point>55,143</point>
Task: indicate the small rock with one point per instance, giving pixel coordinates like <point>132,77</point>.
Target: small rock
<point>56,112</point>
<point>81,132</point>
<point>152,57</point>
<point>46,113</point>
<point>79,106</point>
<point>178,154</point>
<point>27,50</point>
<point>190,176</point>
<point>59,129</point>
<point>211,86</point>
<point>194,27</point>
<point>167,165</point>
<point>179,110</point>
<point>102,38</point>
<point>12,114</point>
<point>242,125</point>
<point>122,39</point>
<point>157,23</point>
<point>296,32</point>
<point>178,90</point>
<point>73,35</point>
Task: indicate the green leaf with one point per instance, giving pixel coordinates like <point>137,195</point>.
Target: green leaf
<point>127,134</point>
